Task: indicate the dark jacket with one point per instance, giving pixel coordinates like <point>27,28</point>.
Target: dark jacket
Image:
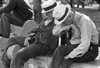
<point>44,35</point>
<point>20,9</point>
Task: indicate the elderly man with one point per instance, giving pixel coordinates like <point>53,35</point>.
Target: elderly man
<point>38,43</point>
<point>82,47</point>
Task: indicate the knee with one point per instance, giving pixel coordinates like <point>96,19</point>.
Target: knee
<point>12,50</point>
<point>11,39</point>
<point>20,55</point>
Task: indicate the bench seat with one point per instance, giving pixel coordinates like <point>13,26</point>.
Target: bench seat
<point>43,62</point>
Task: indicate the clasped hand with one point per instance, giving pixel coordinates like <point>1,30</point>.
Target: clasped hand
<point>29,39</point>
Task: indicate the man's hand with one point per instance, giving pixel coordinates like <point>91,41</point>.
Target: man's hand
<point>56,30</point>
<point>30,39</point>
<point>73,55</point>
<point>26,42</point>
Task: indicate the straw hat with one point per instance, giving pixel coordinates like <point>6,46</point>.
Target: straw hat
<point>49,5</point>
<point>61,12</point>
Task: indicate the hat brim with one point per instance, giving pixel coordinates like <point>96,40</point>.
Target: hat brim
<point>43,11</point>
<point>60,22</point>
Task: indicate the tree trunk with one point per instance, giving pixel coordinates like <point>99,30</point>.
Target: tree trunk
<point>71,3</point>
<point>64,1</point>
<point>82,4</point>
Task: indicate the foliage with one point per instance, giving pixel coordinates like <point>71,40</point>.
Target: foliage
<point>98,1</point>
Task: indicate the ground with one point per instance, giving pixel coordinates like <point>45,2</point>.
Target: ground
<point>91,11</point>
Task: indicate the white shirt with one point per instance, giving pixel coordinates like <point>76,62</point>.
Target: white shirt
<point>88,33</point>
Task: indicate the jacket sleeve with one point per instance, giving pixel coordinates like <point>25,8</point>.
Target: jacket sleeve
<point>9,7</point>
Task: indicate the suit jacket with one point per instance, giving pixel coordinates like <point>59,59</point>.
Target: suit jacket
<point>44,35</point>
<point>20,9</point>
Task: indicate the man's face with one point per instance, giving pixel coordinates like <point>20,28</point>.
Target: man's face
<point>68,21</point>
<point>49,14</point>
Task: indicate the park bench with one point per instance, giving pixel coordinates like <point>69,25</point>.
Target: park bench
<point>43,62</point>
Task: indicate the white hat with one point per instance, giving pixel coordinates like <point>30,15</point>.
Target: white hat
<point>61,12</point>
<point>48,6</point>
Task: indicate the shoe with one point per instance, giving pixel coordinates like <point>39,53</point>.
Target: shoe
<point>1,36</point>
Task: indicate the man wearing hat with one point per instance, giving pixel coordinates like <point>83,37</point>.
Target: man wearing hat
<point>85,46</point>
<point>38,43</point>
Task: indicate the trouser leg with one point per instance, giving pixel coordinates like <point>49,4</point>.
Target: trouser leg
<point>59,54</point>
<point>12,41</point>
<point>62,51</point>
<point>6,20</point>
<point>22,56</point>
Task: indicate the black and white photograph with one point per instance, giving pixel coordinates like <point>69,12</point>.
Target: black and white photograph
<point>49,33</point>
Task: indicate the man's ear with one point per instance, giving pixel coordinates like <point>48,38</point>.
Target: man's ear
<point>72,16</point>
<point>64,23</point>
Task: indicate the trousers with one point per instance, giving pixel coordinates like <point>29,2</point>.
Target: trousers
<point>6,20</point>
<point>62,51</point>
<point>33,50</point>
